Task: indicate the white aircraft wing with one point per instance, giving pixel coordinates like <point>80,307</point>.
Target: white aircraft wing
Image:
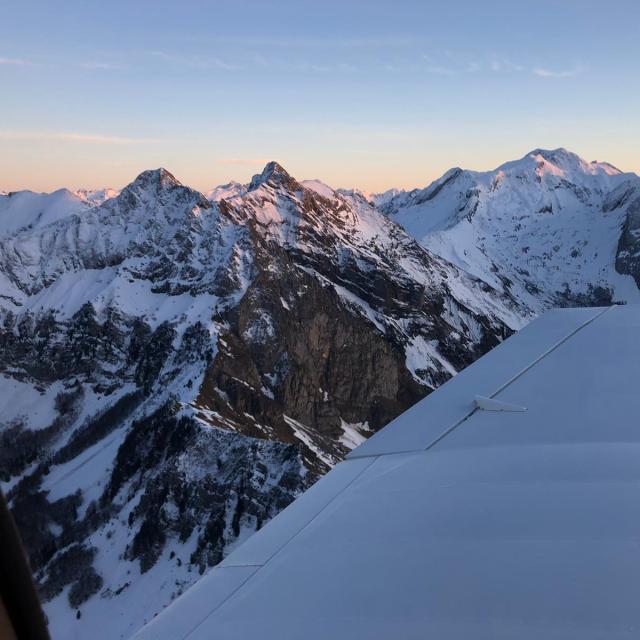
<point>505,505</point>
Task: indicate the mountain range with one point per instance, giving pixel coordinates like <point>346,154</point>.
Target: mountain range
<point>176,366</point>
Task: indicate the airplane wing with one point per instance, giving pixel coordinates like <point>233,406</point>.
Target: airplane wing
<point>505,505</point>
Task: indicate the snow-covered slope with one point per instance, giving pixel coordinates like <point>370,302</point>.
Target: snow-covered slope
<point>228,190</point>
<point>545,228</point>
<point>21,210</point>
<point>96,196</point>
<point>176,368</point>
<point>379,200</point>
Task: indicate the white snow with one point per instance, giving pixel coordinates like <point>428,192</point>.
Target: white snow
<point>319,187</point>
<point>306,436</point>
<point>226,191</point>
<point>96,196</point>
<point>28,210</point>
<point>22,402</point>
<point>538,221</point>
<point>354,433</point>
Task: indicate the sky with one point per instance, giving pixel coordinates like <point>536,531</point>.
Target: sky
<point>373,94</point>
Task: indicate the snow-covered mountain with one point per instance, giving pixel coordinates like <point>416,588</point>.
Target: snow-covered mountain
<point>548,229</point>
<point>379,200</point>
<point>24,210</point>
<point>176,368</point>
<point>96,196</point>
<point>228,190</point>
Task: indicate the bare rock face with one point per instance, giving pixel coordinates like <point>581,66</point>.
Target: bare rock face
<point>174,371</point>
<point>628,254</point>
<point>295,357</point>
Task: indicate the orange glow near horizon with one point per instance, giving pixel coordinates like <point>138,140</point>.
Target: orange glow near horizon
<point>53,164</point>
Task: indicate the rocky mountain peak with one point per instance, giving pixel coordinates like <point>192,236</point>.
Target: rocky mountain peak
<point>155,179</point>
<point>273,174</point>
<point>158,186</point>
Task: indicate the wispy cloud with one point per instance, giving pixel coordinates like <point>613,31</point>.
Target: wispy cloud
<point>498,65</point>
<point>439,70</point>
<point>459,63</point>
<point>18,62</point>
<point>100,66</point>
<point>88,64</point>
<point>551,73</point>
<point>317,43</point>
<point>435,68</point>
<point>300,65</point>
<point>66,136</point>
<point>196,62</point>
<point>242,161</point>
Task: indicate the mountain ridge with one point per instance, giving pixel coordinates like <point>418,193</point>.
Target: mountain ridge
<point>561,212</point>
<point>175,370</point>
<point>176,367</point>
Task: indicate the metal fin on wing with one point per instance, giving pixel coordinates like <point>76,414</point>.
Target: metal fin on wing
<point>491,404</point>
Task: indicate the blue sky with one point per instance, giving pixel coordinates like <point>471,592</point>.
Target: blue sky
<point>367,94</point>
